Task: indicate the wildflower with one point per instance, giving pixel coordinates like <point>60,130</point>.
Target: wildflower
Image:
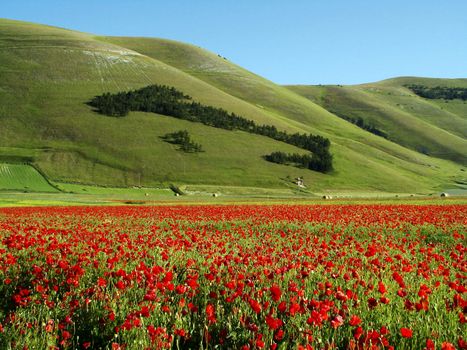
<point>406,332</point>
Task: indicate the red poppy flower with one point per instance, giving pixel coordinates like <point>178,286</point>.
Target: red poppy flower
<point>273,323</point>
<point>255,305</point>
<point>275,292</point>
<point>381,288</point>
<point>211,313</point>
<point>430,344</point>
<point>406,332</point>
<point>355,320</point>
<point>447,346</point>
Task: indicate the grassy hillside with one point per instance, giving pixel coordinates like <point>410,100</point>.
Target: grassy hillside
<point>434,127</point>
<point>22,177</point>
<point>297,112</point>
<point>48,75</point>
<point>46,109</point>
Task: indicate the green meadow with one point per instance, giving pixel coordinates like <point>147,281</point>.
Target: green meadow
<point>22,177</point>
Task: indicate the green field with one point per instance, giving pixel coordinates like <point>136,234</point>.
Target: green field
<point>23,177</point>
<point>253,196</point>
<point>48,75</point>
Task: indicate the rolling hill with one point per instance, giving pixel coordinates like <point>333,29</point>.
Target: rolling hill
<point>49,74</point>
<point>435,127</point>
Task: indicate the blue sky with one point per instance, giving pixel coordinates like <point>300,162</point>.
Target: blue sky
<point>288,41</point>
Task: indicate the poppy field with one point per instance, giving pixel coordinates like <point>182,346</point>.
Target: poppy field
<point>234,277</point>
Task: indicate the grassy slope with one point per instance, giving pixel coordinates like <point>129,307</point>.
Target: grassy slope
<point>46,109</point>
<point>436,127</point>
<point>361,158</point>
<point>49,73</point>
<point>22,177</point>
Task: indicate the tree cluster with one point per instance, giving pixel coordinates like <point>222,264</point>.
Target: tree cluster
<point>160,99</point>
<point>362,124</point>
<point>183,139</point>
<point>169,101</point>
<point>322,163</point>
<point>439,92</point>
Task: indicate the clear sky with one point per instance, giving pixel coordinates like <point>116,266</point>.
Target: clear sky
<point>287,41</point>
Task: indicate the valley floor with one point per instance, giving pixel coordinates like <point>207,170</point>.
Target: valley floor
<point>118,197</point>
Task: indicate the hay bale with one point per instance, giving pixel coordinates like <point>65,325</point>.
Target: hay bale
<point>444,195</point>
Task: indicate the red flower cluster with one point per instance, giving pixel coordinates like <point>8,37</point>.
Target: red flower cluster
<point>333,276</point>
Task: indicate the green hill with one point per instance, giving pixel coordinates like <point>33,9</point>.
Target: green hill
<point>435,127</point>
<point>49,74</point>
